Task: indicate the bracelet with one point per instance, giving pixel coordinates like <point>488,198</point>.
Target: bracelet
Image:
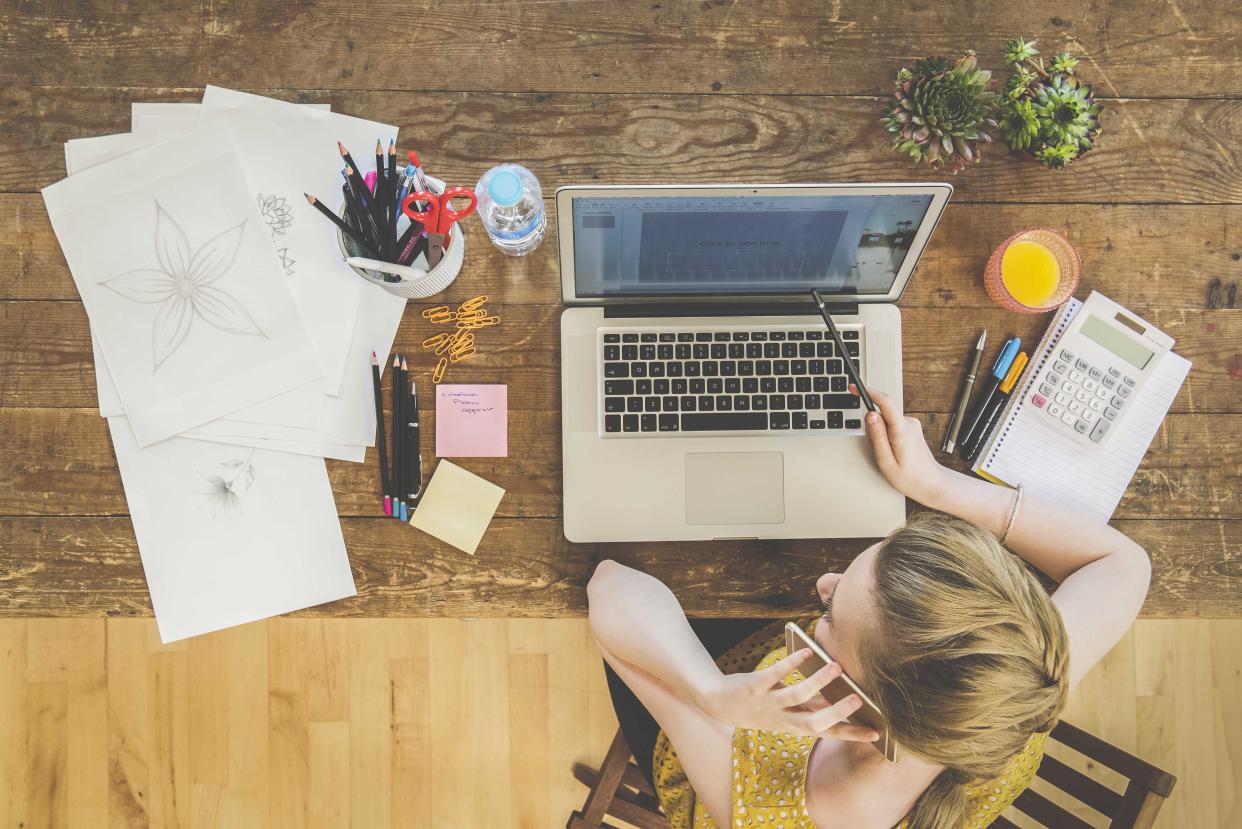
<point>1013,515</point>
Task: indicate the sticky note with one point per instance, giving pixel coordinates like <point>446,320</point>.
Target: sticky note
<point>457,507</point>
<point>472,421</point>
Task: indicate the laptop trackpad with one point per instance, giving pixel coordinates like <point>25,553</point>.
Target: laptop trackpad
<point>735,488</point>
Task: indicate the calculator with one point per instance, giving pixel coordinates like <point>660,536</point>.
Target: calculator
<point>1095,372</point>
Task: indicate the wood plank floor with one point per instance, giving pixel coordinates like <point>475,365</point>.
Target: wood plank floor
<point>446,723</point>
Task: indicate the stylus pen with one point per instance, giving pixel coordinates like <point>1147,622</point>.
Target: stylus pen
<point>963,397</point>
<point>850,368</point>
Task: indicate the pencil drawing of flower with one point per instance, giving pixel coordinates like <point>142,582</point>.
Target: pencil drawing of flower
<point>228,485</point>
<point>183,286</point>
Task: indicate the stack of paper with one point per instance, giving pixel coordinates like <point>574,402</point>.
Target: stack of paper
<point>232,345</point>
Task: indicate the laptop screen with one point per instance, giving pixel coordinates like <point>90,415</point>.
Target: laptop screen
<point>742,244</point>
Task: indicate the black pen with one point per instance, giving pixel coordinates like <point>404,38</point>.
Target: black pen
<point>413,451</point>
<point>972,448</point>
<point>850,368</point>
<point>963,397</point>
<point>999,369</point>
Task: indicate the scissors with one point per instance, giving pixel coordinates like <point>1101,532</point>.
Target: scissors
<point>438,215</point>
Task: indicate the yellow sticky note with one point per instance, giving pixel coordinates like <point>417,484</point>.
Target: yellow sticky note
<point>457,507</point>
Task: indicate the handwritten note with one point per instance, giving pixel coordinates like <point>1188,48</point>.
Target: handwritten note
<point>472,421</point>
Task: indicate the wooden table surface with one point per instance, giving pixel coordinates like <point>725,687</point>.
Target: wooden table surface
<point>666,91</point>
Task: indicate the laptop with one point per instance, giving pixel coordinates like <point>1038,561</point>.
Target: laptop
<point>701,397</point>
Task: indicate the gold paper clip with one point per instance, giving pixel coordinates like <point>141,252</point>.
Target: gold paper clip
<point>470,316</point>
<point>433,342</point>
<point>461,345</point>
<point>473,304</point>
<point>438,374</point>
<point>444,346</point>
<point>483,322</point>
<point>440,314</point>
<point>464,354</point>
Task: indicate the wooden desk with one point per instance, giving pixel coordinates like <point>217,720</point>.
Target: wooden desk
<point>652,92</point>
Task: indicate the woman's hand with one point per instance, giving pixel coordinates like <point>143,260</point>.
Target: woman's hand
<point>760,700</point>
<point>901,451</point>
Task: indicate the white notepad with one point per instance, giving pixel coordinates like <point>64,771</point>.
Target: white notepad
<point>1026,448</point>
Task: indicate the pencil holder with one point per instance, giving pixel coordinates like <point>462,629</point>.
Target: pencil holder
<point>436,279</point>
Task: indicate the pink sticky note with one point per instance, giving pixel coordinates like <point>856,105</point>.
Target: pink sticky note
<point>472,421</point>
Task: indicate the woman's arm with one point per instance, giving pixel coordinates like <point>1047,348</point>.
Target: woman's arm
<point>1103,575</point>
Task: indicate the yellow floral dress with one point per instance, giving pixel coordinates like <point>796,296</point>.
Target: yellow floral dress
<point>769,769</point>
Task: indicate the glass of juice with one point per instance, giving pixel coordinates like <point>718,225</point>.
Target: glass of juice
<point>1033,271</point>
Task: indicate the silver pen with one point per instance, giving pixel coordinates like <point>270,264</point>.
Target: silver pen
<point>950,439</point>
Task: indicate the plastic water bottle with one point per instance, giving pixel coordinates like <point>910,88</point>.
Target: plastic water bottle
<point>511,208</point>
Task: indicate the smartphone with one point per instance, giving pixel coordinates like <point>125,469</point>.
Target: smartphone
<point>869,714</point>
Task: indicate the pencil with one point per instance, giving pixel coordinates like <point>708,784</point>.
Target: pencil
<point>381,450</point>
<point>339,222</point>
<point>398,497</point>
<point>355,209</point>
<point>413,448</point>
<point>391,198</point>
<point>355,177</point>
<point>381,187</point>
<point>367,202</point>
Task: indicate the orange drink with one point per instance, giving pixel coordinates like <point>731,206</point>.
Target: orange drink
<point>1030,272</point>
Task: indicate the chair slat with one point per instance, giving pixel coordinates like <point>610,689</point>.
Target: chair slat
<point>1048,813</point>
<point>1147,775</point>
<point>1091,792</point>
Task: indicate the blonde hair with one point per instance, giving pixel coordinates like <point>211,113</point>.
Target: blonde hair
<point>967,658</point>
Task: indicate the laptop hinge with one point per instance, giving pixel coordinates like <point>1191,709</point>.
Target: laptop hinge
<point>726,309</point>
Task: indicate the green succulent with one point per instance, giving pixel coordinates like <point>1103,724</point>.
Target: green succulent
<point>941,111</point>
<point>1047,112</point>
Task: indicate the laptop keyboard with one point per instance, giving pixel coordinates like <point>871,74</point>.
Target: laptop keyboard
<point>660,381</point>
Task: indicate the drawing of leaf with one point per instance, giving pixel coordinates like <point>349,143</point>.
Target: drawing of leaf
<point>216,256</point>
<point>144,285</point>
<point>219,309</point>
<point>172,324</point>
<point>172,249</point>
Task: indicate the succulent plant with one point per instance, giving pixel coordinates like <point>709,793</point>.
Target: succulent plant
<point>1047,112</point>
<point>941,111</point>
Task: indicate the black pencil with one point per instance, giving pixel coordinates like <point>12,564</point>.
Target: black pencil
<point>391,199</point>
<point>381,186</point>
<point>398,498</point>
<point>360,186</point>
<point>413,449</point>
<point>366,202</point>
<point>381,449</point>
<point>339,222</point>
<point>355,210</point>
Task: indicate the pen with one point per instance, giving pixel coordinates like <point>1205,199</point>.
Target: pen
<point>397,448</point>
<point>418,177</point>
<point>380,449</point>
<point>850,368</point>
<point>1003,361</point>
<point>414,455</point>
<point>963,396</point>
<point>998,404</point>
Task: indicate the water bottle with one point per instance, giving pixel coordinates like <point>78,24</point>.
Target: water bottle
<point>511,208</point>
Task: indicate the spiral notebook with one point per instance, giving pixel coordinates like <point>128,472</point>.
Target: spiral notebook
<point>1025,449</point>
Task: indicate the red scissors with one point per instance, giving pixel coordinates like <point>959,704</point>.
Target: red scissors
<point>438,215</point>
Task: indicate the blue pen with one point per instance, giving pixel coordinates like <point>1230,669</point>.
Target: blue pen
<point>999,369</point>
<point>407,177</point>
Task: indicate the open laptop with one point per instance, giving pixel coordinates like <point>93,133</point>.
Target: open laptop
<point>701,395</point>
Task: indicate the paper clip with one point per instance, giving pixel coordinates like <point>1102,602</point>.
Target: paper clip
<point>483,322</point>
<point>433,342</point>
<point>438,374</point>
<point>473,304</point>
<point>468,316</point>
<point>464,354</point>
<point>461,345</point>
<point>440,314</point>
<point>444,346</point>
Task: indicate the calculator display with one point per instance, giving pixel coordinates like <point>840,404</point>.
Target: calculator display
<point>1094,328</point>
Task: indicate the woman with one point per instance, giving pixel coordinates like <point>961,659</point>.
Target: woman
<point>953,638</point>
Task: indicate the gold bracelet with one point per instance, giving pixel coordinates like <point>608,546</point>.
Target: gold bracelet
<point>1013,515</point>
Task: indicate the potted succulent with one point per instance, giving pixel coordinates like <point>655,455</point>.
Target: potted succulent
<point>942,111</point>
<point>1047,111</point>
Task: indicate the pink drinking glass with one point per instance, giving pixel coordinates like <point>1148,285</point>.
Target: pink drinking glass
<point>1067,258</point>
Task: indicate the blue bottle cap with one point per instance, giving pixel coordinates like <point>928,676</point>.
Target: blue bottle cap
<point>505,188</point>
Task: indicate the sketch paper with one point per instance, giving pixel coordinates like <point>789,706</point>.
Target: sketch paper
<point>286,151</point>
<point>191,310</point>
<point>472,421</point>
<point>322,449</point>
<point>457,507</point>
<point>229,534</point>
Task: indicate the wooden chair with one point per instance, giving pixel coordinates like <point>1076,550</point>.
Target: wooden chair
<point>620,789</point>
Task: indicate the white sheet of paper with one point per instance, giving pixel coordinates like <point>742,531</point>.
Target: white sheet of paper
<point>192,312</point>
<point>148,119</point>
<point>286,151</point>
<point>322,449</point>
<point>228,534</point>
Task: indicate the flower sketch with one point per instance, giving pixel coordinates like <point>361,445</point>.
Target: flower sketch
<point>183,286</point>
<point>228,485</point>
<point>278,217</point>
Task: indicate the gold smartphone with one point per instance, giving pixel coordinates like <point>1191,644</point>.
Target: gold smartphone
<point>869,714</point>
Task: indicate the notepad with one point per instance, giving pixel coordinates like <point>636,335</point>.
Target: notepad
<point>457,507</point>
<point>472,421</point>
<point>1026,448</point>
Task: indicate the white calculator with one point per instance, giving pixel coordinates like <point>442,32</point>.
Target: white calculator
<point>1096,370</point>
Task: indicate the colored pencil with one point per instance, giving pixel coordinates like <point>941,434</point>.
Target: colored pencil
<point>413,447</point>
<point>398,497</point>
<point>381,449</point>
<point>339,222</point>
